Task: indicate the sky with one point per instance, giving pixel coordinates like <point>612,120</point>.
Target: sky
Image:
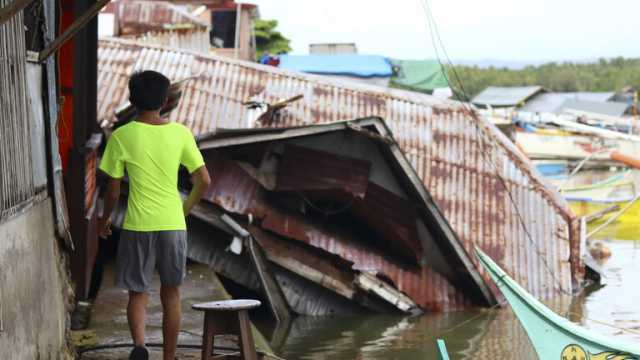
<point>512,30</point>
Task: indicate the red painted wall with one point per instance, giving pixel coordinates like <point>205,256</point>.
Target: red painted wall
<point>65,76</point>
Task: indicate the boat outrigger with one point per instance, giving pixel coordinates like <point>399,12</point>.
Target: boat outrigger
<point>442,350</point>
<point>553,336</point>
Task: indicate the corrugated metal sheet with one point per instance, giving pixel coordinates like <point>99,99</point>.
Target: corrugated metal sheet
<point>312,171</point>
<point>505,96</point>
<point>189,39</point>
<point>602,108</point>
<point>16,169</point>
<point>393,218</point>
<point>552,102</point>
<point>136,17</point>
<point>426,287</point>
<point>460,157</point>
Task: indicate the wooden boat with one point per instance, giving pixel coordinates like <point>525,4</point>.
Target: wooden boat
<point>561,146</point>
<point>619,189</point>
<point>552,336</point>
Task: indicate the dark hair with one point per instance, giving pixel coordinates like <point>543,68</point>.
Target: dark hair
<point>148,90</point>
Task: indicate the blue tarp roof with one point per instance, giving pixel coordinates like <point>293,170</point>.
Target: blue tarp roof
<point>353,65</point>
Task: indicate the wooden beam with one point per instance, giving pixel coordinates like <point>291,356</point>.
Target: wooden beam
<point>72,30</point>
<point>369,282</point>
<point>15,7</point>
<point>273,292</point>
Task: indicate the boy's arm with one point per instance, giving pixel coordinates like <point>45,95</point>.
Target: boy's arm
<point>201,181</point>
<point>110,201</point>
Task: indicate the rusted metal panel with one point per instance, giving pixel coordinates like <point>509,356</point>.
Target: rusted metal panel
<point>429,289</point>
<point>188,39</point>
<point>336,273</point>
<point>480,182</point>
<point>91,167</point>
<point>232,188</point>
<point>393,218</point>
<point>137,17</point>
<point>310,171</point>
<point>16,170</point>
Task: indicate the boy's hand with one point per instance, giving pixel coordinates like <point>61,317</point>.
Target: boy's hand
<point>104,227</point>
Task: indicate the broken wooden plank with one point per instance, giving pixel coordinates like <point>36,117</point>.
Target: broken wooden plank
<point>369,282</point>
<point>271,290</point>
<point>311,274</point>
<point>207,245</point>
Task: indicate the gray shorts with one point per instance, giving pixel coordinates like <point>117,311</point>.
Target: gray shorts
<point>141,252</point>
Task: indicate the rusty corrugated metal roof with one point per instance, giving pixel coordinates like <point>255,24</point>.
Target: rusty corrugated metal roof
<point>194,39</point>
<point>139,16</point>
<point>236,191</point>
<point>462,159</point>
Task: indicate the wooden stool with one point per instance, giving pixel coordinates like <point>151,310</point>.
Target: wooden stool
<point>229,317</point>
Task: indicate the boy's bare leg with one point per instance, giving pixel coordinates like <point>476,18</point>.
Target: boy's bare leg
<point>136,315</point>
<point>170,297</point>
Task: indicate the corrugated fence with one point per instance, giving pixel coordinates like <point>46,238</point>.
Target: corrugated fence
<point>484,187</point>
<point>16,180</point>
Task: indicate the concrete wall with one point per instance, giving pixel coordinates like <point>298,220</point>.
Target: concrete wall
<point>32,309</point>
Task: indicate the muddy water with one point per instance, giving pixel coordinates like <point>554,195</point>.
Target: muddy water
<point>478,334</point>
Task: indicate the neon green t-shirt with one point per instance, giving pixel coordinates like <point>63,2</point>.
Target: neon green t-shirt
<point>152,155</point>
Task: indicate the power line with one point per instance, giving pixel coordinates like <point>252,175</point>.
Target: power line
<point>435,34</point>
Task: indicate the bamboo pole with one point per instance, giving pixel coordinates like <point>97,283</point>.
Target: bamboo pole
<point>598,214</point>
<point>580,165</point>
<point>614,217</point>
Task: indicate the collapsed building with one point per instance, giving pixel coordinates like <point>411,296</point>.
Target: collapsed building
<point>356,197</point>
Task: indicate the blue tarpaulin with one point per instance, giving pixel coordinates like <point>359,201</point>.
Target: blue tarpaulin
<point>351,65</point>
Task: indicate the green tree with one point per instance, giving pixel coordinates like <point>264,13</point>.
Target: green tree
<point>268,39</point>
<point>601,75</point>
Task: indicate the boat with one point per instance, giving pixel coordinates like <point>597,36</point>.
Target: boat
<point>552,336</point>
<point>576,147</point>
<point>618,189</point>
<point>442,350</point>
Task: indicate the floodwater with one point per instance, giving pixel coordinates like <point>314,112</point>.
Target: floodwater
<point>478,334</point>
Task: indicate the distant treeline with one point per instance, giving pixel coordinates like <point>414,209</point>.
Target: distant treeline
<point>603,75</point>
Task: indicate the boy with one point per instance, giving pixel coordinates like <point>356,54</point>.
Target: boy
<point>151,150</point>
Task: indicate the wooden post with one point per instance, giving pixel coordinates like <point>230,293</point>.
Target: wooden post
<point>207,336</point>
<point>247,347</point>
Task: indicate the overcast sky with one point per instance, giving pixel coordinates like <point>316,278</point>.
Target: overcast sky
<point>514,30</point>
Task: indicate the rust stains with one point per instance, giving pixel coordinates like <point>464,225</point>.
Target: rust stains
<point>460,158</point>
<point>313,172</point>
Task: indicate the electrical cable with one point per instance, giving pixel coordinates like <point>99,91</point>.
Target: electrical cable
<point>160,345</point>
<point>435,34</point>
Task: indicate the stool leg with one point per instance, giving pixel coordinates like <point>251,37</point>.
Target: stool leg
<point>207,336</point>
<point>247,348</point>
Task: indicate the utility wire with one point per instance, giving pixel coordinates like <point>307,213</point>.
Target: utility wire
<point>436,40</point>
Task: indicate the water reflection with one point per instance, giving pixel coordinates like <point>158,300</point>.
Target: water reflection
<point>477,334</point>
<point>384,337</point>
